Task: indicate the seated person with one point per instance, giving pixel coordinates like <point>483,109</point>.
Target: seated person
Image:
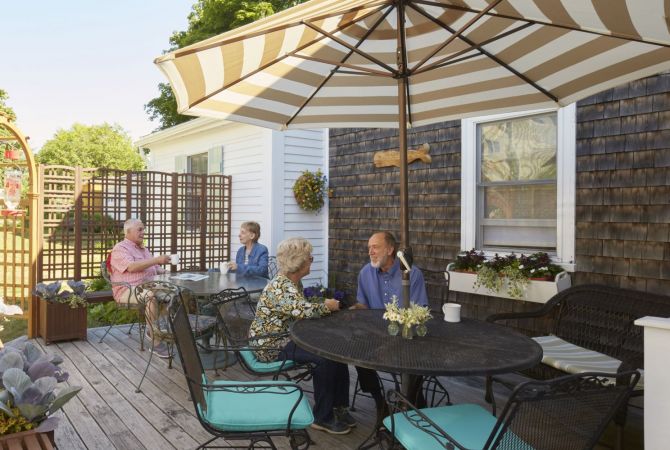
<point>252,257</point>
<point>132,263</point>
<point>281,303</point>
<point>378,282</point>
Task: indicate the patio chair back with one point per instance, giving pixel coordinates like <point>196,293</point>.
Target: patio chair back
<point>236,312</point>
<point>188,352</point>
<point>564,413</point>
<point>273,268</point>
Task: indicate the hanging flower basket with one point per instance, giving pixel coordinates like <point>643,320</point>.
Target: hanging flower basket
<point>310,190</point>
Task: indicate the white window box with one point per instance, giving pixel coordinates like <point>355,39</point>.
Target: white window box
<point>536,291</point>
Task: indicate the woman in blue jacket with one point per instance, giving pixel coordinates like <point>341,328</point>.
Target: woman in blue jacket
<point>252,257</point>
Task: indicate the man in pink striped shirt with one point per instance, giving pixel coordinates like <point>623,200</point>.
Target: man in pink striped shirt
<point>132,263</point>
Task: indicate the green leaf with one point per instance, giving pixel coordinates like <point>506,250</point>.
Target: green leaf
<point>31,412</point>
<point>11,360</point>
<point>63,397</point>
<point>6,409</point>
<point>16,381</point>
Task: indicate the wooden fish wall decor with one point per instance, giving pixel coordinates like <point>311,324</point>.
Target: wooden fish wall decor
<point>388,158</point>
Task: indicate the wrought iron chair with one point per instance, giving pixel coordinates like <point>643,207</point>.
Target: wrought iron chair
<point>273,268</point>
<point>564,413</point>
<point>235,410</point>
<point>162,293</point>
<point>128,305</point>
<point>235,312</point>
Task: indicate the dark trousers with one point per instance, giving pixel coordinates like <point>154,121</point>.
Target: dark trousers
<point>370,383</point>
<point>329,378</point>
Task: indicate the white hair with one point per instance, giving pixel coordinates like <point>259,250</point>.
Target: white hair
<point>292,254</point>
<point>128,224</point>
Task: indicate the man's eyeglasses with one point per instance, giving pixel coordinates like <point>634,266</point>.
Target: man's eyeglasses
<point>311,258</point>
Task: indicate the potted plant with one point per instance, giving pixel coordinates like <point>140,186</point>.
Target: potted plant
<point>28,394</point>
<point>62,311</point>
<point>531,278</point>
<point>407,320</point>
<point>310,190</point>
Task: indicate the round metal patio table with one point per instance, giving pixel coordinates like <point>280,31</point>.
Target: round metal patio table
<point>215,282</point>
<point>470,347</point>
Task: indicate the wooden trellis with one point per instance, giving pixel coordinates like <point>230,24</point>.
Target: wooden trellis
<point>84,211</point>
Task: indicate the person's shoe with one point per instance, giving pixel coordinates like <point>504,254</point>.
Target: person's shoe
<point>342,415</point>
<point>161,350</point>
<point>332,426</point>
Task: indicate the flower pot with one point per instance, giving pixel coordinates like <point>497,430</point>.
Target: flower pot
<point>393,328</point>
<point>30,440</point>
<point>536,291</point>
<point>59,322</point>
<point>408,331</point>
<point>12,154</point>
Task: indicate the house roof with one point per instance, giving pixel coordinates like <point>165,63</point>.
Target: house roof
<point>197,125</point>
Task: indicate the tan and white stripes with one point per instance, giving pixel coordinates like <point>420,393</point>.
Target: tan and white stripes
<point>332,63</point>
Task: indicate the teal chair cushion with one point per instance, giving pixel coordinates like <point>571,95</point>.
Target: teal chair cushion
<point>264,367</point>
<point>470,425</point>
<point>268,409</point>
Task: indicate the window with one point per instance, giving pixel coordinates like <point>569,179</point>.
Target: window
<point>197,164</point>
<point>518,183</point>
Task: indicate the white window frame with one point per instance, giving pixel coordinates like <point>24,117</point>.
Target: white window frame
<point>565,180</point>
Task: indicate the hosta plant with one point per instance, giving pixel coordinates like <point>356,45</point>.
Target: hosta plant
<point>28,395</point>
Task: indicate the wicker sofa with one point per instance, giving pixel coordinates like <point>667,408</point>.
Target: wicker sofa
<point>589,328</point>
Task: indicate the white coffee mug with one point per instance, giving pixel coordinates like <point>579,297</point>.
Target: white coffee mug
<point>452,312</point>
<point>174,259</point>
<point>223,267</point>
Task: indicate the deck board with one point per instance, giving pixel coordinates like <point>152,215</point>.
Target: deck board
<point>109,414</point>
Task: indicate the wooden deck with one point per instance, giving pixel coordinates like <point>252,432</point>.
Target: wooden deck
<point>108,414</point>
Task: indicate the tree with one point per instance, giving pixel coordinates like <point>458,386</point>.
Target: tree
<point>102,146</point>
<point>3,106</point>
<point>208,18</point>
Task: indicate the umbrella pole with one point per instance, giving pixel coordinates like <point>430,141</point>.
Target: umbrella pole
<point>404,198</point>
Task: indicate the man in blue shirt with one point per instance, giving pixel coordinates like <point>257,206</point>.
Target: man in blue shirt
<point>381,278</point>
<point>378,282</point>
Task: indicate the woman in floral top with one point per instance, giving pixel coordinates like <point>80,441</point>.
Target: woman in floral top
<point>282,303</point>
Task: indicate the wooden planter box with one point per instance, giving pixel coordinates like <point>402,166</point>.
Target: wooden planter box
<point>59,322</point>
<point>28,440</point>
<point>536,291</point>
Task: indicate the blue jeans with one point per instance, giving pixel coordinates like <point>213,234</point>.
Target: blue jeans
<point>330,380</point>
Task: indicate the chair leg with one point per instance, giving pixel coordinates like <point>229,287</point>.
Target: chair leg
<point>109,328</point>
<point>353,398</point>
<point>146,369</point>
<point>488,395</point>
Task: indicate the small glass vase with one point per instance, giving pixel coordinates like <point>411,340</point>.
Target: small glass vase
<point>408,331</point>
<point>421,330</point>
<point>393,328</point>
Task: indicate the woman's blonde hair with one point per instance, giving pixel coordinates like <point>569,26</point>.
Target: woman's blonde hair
<point>252,227</point>
<point>292,254</point>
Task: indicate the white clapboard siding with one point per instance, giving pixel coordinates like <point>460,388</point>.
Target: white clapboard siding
<point>263,164</point>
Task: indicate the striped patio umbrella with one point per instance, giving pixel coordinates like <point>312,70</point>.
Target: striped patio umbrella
<point>400,63</point>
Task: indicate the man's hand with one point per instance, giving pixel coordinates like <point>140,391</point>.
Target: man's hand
<point>358,306</point>
<point>163,259</point>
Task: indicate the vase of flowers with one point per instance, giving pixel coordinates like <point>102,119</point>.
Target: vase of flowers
<point>62,310</point>
<point>406,319</point>
<point>28,392</point>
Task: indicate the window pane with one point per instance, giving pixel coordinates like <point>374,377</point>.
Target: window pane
<point>519,149</point>
<point>530,201</point>
<point>198,164</point>
<point>514,238</point>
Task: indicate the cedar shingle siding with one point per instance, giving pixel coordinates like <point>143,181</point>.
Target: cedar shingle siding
<point>622,196</point>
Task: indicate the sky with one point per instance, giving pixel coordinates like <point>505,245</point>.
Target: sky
<point>85,61</point>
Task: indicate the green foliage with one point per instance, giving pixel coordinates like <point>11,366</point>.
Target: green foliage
<point>12,327</point>
<point>208,18</point>
<point>3,105</point>
<point>101,146</point>
<point>510,272</point>
<point>110,313</point>
<point>16,424</point>
<point>99,284</point>
<point>310,190</point>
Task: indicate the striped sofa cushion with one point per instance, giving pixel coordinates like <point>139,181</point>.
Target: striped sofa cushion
<point>571,358</point>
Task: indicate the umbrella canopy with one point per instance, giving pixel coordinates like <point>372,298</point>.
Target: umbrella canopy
<point>394,63</point>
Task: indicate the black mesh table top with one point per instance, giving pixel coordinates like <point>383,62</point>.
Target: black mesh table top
<point>470,347</point>
<point>215,282</point>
